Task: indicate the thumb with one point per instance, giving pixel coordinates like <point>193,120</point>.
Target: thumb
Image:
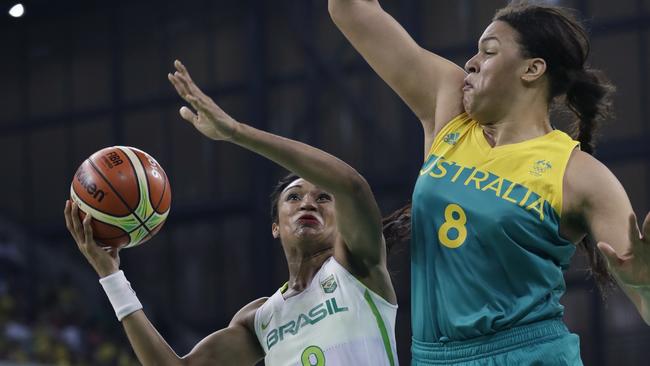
<point>188,115</point>
<point>113,252</point>
<point>609,253</point>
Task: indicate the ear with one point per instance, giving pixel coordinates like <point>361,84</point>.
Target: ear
<point>275,230</point>
<point>535,68</point>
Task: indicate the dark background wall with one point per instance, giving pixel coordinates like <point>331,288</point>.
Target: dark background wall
<point>81,75</point>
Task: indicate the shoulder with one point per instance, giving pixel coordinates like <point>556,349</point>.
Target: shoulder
<point>588,182</point>
<point>246,315</point>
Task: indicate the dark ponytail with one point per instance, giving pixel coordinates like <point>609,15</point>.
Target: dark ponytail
<point>588,98</point>
<point>554,34</point>
<point>397,227</point>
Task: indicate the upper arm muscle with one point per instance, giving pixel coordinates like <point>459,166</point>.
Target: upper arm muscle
<point>234,345</point>
<point>428,83</point>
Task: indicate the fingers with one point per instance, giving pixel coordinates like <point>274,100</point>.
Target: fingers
<point>188,115</point>
<point>634,233</point>
<point>183,90</point>
<point>185,86</point>
<point>182,69</point>
<point>645,233</point>
<point>88,229</point>
<point>610,254</point>
<point>178,85</point>
<point>113,252</point>
<point>67,214</point>
<point>76,224</point>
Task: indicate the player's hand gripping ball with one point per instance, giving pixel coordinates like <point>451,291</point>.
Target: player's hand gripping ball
<point>127,194</point>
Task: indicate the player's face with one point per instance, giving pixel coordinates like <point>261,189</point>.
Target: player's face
<point>305,212</point>
<point>493,78</point>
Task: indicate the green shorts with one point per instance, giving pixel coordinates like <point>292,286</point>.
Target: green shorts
<point>547,343</point>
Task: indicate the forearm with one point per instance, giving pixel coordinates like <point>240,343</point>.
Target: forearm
<point>314,165</point>
<point>149,346</point>
<point>343,7</point>
<point>147,343</point>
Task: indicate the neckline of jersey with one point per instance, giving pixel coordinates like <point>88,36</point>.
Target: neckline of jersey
<point>285,287</point>
<point>477,130</point>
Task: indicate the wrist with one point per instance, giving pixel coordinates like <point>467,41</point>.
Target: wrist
<point>106,272</point>
<point>120,294</point>
<point>234,131</point>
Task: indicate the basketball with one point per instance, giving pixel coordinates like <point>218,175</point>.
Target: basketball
<point>127,193</point>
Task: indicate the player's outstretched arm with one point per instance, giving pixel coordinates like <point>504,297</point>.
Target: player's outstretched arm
<point>428,83</point>
<point>360,223</point>
<point>234,345</point>
<point>610,220</point>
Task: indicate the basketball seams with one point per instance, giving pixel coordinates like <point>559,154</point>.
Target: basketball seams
<point>117,194</point>
<point>137,180</point>
<point>141,178</point>
<point>162,196</point>
<point>120,222</point>
<point>88,203</point>
<point>97,216</point>
<point>144,205</point>
<point>133,240</point>
<point>142,219</point>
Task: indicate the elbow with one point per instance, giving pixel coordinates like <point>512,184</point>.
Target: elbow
<point>356,185</point>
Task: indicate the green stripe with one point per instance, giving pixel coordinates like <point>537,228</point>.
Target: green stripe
<point>284,287</point>
<point>382,327</point>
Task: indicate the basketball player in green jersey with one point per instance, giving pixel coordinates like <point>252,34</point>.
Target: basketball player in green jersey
<point>338,307</point>
<point>502,198</point>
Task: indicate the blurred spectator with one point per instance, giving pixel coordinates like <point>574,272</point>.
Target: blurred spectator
<point>47,323</point>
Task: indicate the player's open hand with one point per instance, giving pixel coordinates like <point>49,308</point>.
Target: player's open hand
<point>209,119</point>
<point>105,261</point>
<point>631,268</point>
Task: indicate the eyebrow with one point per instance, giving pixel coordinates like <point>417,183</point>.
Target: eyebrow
<point>491,38</point>
<point>291,187</point>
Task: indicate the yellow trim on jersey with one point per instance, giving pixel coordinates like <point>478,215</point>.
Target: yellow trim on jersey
<point>537,164</point>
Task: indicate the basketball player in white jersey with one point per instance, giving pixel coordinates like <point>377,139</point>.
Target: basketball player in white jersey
<point>338,307</point>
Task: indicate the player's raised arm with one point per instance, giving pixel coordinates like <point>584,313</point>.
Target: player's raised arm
<point>428,83</point>
<point>234,345</point>
<point>360,224</point>
<point>610,220</point>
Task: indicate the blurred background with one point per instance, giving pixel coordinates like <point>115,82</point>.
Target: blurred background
<point>78,76</point>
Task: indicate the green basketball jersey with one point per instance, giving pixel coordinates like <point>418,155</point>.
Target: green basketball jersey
<point>486,252</point>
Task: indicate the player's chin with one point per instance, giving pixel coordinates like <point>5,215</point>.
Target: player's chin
<point>309,231</point>
<point>468,104</point>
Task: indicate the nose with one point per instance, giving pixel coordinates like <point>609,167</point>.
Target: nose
<point>471,65</point>
<point>308,203</point>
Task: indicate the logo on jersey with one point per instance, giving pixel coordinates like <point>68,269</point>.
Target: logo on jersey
<point>264,326</point>
<point>540,167</point>
<point>472,177</point>
<point>451,138</point>
<point>313,316</point>
<point>329,284</point>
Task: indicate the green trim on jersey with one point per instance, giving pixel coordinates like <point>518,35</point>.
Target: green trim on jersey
<point>381,326</point>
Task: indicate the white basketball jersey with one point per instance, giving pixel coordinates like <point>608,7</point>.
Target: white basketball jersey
<point>336,320</point>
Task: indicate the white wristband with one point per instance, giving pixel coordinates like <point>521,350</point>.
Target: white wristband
<point>120,294</point>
